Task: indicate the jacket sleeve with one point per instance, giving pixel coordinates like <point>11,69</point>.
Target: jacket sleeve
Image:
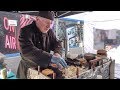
<point>30,52</point>
<point>56,44</point>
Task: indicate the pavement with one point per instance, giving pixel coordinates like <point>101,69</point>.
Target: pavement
<point>12,63</point>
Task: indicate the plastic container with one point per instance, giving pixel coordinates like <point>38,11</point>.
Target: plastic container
<point>3,73</point>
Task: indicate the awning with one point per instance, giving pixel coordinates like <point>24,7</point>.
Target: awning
<point>58,14</point>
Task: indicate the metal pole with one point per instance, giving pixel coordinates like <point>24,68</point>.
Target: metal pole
<point>66,44</point>
<point>56,27</point>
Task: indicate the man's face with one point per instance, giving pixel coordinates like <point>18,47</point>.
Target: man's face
<point>43,24</point>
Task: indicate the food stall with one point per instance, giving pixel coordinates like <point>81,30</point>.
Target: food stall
<point>82,66</point>
<point>100,67</point>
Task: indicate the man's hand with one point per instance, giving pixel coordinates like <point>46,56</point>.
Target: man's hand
<point>59,61</point>
<point>57,54</point>
<point>56,66</point>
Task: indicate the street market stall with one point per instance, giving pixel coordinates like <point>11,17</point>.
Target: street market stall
<point>90,67</point>
<point>87,65</point>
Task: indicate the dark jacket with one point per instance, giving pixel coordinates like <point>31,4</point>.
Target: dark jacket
<point>31,49</point>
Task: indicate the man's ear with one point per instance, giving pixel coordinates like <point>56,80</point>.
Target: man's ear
<point>37,18</point>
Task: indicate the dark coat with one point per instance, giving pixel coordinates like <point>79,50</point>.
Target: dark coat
<point>31,49</point>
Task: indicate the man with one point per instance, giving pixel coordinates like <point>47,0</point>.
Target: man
<point>36,41</point>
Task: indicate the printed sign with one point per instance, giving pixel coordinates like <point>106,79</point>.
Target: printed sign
<point>10,25</point>
<point>12,22</point>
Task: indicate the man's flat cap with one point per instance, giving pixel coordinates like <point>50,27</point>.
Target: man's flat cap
<point>46,14</point>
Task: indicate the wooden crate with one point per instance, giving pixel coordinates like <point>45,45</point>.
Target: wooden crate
<point>33,74</point>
